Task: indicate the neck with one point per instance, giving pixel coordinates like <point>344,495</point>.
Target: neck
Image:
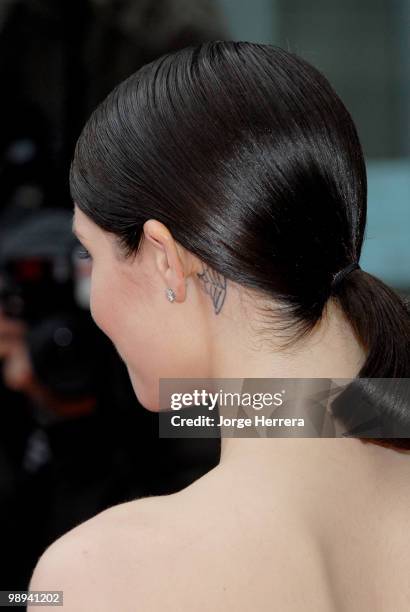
<point>331,351</point>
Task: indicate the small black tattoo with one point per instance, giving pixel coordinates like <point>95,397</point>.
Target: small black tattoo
<point>215,285</point>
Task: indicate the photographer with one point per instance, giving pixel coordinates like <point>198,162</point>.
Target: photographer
<point>70,465</point>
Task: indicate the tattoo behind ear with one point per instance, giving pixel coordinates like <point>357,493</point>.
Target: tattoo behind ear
<point>215,285</point>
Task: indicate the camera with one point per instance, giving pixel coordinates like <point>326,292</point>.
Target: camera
<point>45,283</point>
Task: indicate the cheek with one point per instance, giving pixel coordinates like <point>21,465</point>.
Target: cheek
<point>103,302</point>
<point>152,339</point>
<point>113,311</point>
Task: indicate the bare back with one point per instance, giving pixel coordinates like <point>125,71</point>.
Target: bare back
<point>217,547</point>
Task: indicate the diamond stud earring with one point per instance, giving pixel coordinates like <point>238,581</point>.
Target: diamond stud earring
<point>171,294</point>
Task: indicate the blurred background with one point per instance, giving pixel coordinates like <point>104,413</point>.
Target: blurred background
<point>73,438</point>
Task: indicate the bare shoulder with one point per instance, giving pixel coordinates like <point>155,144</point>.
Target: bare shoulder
<point>99,556</point>
<point>180,552</point>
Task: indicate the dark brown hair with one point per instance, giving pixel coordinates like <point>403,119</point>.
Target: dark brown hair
<point>249,157</point>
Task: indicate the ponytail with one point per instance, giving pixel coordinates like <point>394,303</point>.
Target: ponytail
<point>380,318</point>
<point>248,155</point>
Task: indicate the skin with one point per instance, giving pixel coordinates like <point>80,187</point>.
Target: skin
<point>208,331</point>
<point>333,512</point>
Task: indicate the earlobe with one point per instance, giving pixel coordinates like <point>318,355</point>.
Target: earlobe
<point>176,283</point>
<point>169,261</point>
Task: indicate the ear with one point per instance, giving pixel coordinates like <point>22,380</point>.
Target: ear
<point>168,258</point>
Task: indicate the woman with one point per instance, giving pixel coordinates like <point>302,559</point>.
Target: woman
<point>221,194</point>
